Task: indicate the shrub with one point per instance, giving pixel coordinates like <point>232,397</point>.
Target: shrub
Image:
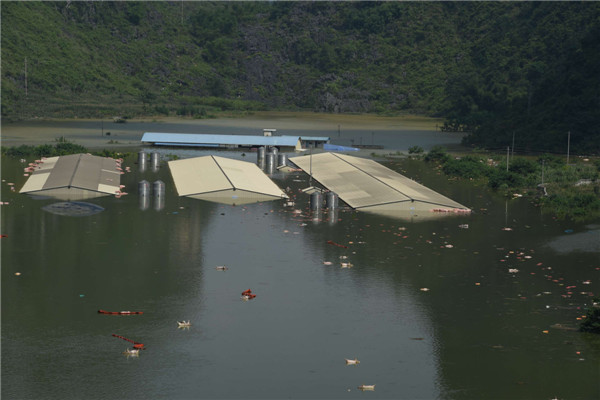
<point>550,160</point>
<point>466,167</point>
<point>523,166</point>
<point>591,323</point>
<point>415,150</point>
<point>502,178</point>
<point>437,153</point>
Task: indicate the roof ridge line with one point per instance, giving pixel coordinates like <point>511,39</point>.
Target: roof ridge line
<point>223,172</point>
<point>377,179</point>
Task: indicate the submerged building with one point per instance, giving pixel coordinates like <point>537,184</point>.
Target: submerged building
<point>369,186</point>
<point>74,177</point>
<point>291,143</point>
<point>223,180</point>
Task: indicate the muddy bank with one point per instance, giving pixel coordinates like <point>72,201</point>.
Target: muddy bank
<point>342,129</point>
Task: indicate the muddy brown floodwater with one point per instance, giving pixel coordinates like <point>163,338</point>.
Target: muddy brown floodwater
<point>451,308</point>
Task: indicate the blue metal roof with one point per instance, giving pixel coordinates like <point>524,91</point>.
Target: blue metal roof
<point>205,139</point>
<point>315,138</point>
<point>212,140</point>
<point>335,147</point>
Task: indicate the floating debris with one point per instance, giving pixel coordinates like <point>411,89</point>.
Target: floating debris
<point>119,312</point>
<point>221,268</point>
<point>136,345</point>
<point>132,352</point>
<point>352,361</point>
<point>336,244</point>
<point>248,295</point>
<point>184,324</point>
<point>366,387</point>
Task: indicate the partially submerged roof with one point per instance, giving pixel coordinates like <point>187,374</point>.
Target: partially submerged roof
<point>367,185</point>
<point>206,140</point>
<point>223,180</point>
<point>74,177</point>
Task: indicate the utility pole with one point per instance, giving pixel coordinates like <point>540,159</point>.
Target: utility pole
<point>339,130</point>
<point>507,155</point>
<point>26,92</point>
<point>513,145</point>
<point>543,172</point>
<point>310,174</point>
<point>568,145</point>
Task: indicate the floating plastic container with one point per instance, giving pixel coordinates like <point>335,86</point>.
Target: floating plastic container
<point>316,200</point>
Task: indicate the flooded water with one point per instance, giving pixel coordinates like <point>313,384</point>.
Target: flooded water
<point>429,308</point>
<point>393,133</point>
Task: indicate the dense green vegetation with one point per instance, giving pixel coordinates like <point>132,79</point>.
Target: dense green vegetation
<point>571,191</point>
<point>591,322</point>
<point>528,70</point>
<point>62,147</point>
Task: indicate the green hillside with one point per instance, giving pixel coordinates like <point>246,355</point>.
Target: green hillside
<point>528,69</point>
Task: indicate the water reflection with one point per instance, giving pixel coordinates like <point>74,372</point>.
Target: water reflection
<point>73,209</point>
<point>452,341</point>
<point>158,192</point>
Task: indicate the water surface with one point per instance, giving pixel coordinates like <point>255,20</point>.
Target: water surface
<point>429,307</point>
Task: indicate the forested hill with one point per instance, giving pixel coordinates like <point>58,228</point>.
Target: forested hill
<point>496,69</point>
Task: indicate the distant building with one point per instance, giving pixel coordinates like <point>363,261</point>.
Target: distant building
<point>297,143</point>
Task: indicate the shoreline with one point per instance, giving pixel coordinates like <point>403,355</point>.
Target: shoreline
<point>106,134</point>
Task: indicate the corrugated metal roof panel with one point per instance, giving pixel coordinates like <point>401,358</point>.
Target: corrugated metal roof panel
<point>223,180</point>
<point>74,177</point>
<point>315,138</point>
<point>205,139</point>
<point>366,184</point>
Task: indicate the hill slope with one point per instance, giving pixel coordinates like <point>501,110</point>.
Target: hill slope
<point>489,68</point>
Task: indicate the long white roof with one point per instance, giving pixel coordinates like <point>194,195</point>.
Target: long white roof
<point>367,185</point>
<point>74,177</point>
<point>223,180</point>
<point>216,140</point>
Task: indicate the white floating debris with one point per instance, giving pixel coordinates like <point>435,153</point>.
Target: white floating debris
<point>352,361</point>
<point>367,387</point>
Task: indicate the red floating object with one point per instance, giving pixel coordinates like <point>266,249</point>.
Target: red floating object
<point>136,345</point>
